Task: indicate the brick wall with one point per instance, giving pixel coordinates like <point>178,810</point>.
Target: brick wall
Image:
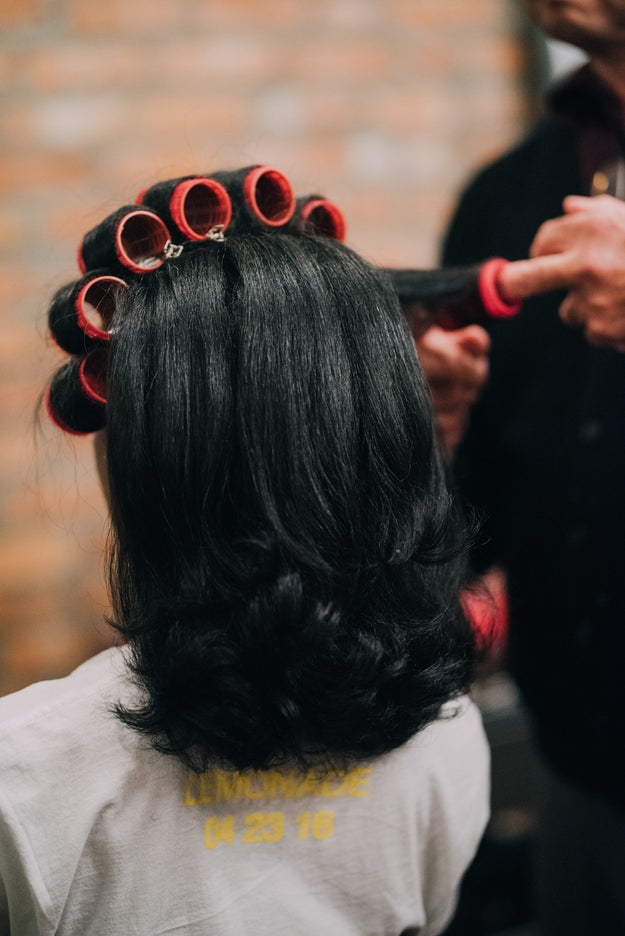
<point>383,105</point>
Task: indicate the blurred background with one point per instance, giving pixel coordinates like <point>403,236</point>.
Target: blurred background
<point>384,106</point>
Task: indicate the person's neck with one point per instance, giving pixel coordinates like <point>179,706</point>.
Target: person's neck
<point>612,74</point>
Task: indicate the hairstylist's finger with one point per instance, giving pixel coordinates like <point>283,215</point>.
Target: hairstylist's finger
<point>474,340</point>
<point>570,314</point>
<point>604,332</point>
<point>444,359</point>
<point>599,339</point>
<point>524,278</point>
<point>573,204</point>
<point>619,346</point>
<point>555,236</point>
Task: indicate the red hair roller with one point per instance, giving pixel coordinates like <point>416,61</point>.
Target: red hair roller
<point>76,397</point>
<point>193,205</point>
<point>452,297</point>
<point>260,195</point>
<point>316,215</point>
<point>133,238</point>
<point>494,303</point>
<point>80,314</point>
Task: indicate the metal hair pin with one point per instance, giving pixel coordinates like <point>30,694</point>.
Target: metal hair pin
<point>171,251</point>
<point>216,233</point>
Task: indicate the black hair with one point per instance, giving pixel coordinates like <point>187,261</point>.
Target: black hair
<point>286,556</point>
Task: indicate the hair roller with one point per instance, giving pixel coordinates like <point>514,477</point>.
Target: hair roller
<point>490,292</point>
<point>76,397</point>
<point>314,214</point>
<point>81,313</point>
<point>261,197</point>
<point>132,238</point>
<point>452,297</point>
<point>191,205</point>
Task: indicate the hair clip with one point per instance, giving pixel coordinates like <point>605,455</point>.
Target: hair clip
<point>132,238</point>
<point>216,233</point>
<point>81,313</point>
<point>171,251</point>
<point>193,205</point>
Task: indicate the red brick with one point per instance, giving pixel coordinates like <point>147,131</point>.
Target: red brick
<point>251,16</point>
<point>119,17</point>
<point>221,64</point>
<point>345,59</point>
<point>192,115</point>
<point>78,66</point>
<point>21,12</point>
<point>449,16</point>
<point>30,172</point>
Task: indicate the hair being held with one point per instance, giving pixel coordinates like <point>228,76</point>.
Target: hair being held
<point>286,557</point>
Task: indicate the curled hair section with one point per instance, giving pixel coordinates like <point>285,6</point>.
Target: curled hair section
<point>192,205</point>
<point>452,297</point>
<point>131,239</point>
<point>76,397</point>
<point>315,214</point>
<point>136,240</point>
<point>261,196</point>
<point>81,313</point>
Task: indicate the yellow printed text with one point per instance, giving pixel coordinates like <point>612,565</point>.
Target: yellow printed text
<point>222,786</point>
<point>266,827</point>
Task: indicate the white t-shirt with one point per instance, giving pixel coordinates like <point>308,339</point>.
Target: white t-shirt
<point>102,836</point>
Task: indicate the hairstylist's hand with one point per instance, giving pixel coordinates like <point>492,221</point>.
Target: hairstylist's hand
<point>456,366</point>
<point>583,252</point>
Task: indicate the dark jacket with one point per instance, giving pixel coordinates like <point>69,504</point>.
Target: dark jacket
<point>544,461</point>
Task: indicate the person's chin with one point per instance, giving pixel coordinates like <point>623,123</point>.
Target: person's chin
<point>564,21</point>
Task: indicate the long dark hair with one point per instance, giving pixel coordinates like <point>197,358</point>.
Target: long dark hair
<point>286,556</point>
